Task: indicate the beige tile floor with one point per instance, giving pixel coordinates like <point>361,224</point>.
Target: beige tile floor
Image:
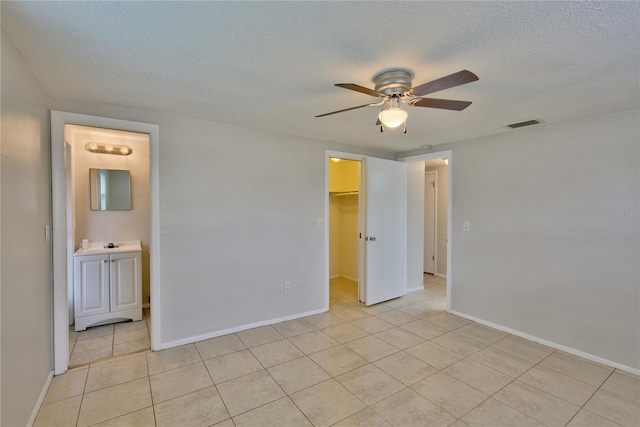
<point>405,362</point>
<point>102,342</point>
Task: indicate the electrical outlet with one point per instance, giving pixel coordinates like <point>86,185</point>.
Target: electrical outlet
<point>287,286</point>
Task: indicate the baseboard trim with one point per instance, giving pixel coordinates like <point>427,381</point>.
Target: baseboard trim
<point>43,393</point>
<point>335,276</point>
<point>444,276</point>
<point>190,340</point>
<point>551,344</point>
<point>417,288</point>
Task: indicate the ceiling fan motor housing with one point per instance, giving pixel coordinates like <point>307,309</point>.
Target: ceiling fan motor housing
<point>396,81</point>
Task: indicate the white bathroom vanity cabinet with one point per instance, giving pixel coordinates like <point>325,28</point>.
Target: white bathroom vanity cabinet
<point>107,284</point>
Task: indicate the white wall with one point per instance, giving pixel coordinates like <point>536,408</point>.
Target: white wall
<point>415,225</point>
<point>238,211</point>
<point>441,225</point>
<point>553,250</point>
<point>25,256</point>
<point>99,226</point>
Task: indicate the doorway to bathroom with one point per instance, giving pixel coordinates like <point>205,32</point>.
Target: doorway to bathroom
<point>108,203</point>
<point>67,238</point>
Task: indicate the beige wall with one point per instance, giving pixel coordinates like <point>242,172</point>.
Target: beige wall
<point>554,243</point>
<point>441,225</point>
<point>99,226</point>
<point>25,259</point>
<point>238,217</point>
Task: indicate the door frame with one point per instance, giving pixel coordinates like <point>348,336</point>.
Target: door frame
<point>59,207</point>
<point>435,219</point>
<point>361,199</point>
<point>446,154</point>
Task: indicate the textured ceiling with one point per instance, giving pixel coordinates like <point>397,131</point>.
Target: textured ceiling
<point>272,65</point>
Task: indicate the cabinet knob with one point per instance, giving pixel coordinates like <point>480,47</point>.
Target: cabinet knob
<point>113,260</point>
<point>104,260</point>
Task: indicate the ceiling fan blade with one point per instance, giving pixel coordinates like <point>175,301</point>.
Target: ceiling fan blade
<point>361,89</point>
<point>445,104</point>
<point>452,80</point>
<point>342,111</point>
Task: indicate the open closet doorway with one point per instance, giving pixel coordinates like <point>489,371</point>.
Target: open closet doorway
<point>381,232</point>
<point>344,229</point>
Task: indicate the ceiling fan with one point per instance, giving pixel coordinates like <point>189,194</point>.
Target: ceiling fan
<point>393,87</point>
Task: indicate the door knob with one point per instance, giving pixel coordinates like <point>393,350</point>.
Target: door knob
<point>370,238</point>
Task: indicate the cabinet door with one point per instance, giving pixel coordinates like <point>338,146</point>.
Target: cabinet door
<point>126,278</point>
<point>91,285</point>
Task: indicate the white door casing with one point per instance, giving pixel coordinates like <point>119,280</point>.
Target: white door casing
<point>430,222</point>
<point>384,186</point>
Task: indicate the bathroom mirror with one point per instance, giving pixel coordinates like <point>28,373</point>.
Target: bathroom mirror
<point>110,189</point>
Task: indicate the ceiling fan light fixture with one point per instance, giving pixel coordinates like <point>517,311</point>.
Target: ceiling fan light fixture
<point>392,117</point>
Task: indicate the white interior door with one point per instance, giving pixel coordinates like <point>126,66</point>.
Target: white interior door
<point>430,222</point>
<point>385,217</point>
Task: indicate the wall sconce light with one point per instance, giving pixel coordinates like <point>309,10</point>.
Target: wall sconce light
<point>120,150</point>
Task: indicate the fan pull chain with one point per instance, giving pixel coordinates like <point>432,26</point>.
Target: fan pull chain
<point>381,130</point>
<point>405,127</point>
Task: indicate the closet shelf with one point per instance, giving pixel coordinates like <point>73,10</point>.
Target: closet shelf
<point>343,193</point>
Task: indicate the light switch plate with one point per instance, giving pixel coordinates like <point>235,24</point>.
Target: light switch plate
<point>466,225</point>
<point>319,222</point>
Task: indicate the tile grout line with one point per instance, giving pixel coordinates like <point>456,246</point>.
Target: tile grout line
<point>214,383</point>
<point>590,397</point>
<point>369,363</point>
<point>86,380</point>
<point>516,378</point>
<point>153,407</point>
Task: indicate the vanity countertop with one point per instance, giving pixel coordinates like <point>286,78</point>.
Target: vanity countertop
<point>98,248</point>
